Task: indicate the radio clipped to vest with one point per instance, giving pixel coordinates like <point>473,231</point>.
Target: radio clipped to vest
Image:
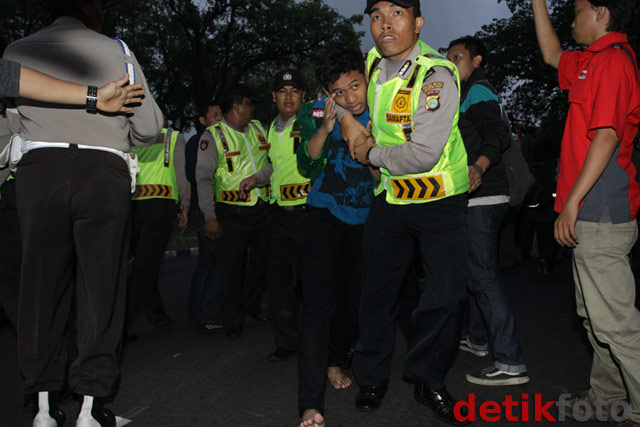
<point>134,169</point>
<point>12,153</point>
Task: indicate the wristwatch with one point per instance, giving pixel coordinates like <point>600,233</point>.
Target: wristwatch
<point>366,157</point>
<point>92,100</point>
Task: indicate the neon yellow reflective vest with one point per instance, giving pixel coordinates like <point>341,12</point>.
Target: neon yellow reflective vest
<point>239,156</point>
<point>288,186</point>
<point>157,178</point>
<point>393,106</point>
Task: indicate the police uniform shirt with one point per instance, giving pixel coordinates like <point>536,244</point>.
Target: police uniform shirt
<point>431,127</point>
<point>263,177</point>
<point>206,167</point>
<point>68,50</point>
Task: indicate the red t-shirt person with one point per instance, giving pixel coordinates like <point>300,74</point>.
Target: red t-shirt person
<point>603,93</point>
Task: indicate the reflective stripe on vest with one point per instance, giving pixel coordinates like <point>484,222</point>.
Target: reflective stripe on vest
<point>290,186</point>
<point>239,155</point>
<point>394,105</point>
<point>157,178</point>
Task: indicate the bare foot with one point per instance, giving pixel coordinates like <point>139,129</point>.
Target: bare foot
<point>337,378</point>
<point>312,418</point>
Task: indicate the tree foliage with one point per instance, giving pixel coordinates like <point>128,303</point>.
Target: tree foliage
<point>528,86</point>
<point>190,49</point>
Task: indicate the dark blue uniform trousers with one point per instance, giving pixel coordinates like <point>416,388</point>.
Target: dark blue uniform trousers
<point>390,237</point>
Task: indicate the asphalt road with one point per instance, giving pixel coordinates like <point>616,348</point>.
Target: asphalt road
<point>181,377</point>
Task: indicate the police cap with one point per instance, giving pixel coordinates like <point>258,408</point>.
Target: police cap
<point>288,77</point>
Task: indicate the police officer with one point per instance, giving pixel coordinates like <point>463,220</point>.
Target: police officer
<point>203,307</point>
<point>73,190</point>
<point>413,95</point>
<point>161,185</point>
<point>287,213</point>
<point>230,150</point>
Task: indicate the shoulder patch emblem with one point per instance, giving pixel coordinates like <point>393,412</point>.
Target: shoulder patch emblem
<point>204,144</point>
<point>431,86</point>
<point>433,101</point>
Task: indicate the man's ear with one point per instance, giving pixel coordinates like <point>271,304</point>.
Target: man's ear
<point>477,60</point>
<point>602,13</point>
<point>202,120</point>
<point>273,94</point>
<point>419,24</point>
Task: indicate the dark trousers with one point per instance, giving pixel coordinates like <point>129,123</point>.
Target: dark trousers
<point>74,208</point>
<point>331,288</point>
<point>152,223</point>
<point>390,235</point>
<point>489,306</point>
<point>285,243</point>
<point>243,231</point>
<point>10,251</point>
<point>204,302</point>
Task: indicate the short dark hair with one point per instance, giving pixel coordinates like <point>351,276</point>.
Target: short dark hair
<point>332,62</point>
<point>622,12</point>
<point>474,45</point>
<point>227,101</point>
<point>58,8</point>
<point>203,109</point>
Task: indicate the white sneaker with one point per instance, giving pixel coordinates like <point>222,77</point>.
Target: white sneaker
<point>478,350</point>
<point>92,416</point>
<point>494,376</point>
<point>48,415</point>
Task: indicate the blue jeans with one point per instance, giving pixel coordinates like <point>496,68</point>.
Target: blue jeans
<point>204,304</point>
<point>490,317</point>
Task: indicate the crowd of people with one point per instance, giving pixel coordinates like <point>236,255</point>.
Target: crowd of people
<point>375,208</point>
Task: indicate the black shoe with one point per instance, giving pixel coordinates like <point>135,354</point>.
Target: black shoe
<point>369,398</point>
<point>92,412</point>
<point>280,355</point>
<point>45,409</point>
<point>234,332</point>
<point>158,318</point>
<point>440,402</point>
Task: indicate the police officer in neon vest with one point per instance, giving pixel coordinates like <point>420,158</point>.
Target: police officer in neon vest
<point>230,150</point>
<point>287,213</point>
<point>161,185</point>
<point>413,97</point>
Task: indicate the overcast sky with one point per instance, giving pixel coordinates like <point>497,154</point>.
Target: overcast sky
<point>445,20</point>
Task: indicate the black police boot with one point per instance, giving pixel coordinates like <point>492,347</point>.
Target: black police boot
<point>92,414</point>
<point>45,410</point>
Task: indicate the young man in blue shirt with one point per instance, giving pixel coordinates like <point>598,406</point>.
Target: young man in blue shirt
<point>339,202</point>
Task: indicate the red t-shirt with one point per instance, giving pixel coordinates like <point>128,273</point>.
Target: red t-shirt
<point>603,93</point>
